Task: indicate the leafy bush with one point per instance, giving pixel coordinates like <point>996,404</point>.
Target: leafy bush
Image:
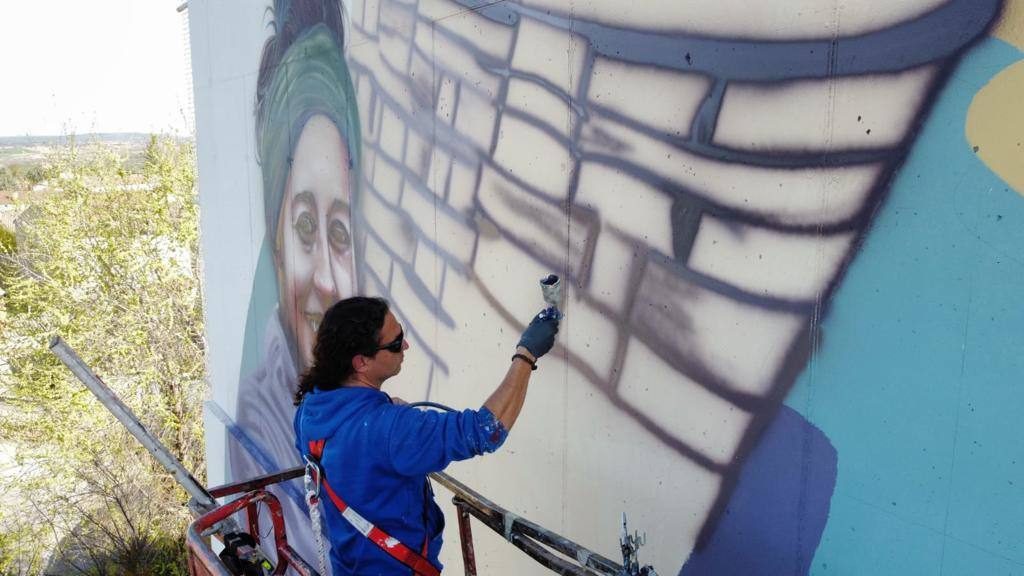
<point>110,262</point>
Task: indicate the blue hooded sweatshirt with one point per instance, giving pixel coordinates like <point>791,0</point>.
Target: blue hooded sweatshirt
<point>376,458</point>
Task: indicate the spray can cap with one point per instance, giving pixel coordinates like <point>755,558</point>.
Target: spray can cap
<point>551,290</point>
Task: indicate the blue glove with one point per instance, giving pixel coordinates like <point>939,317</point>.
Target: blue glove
<point>539,336</point>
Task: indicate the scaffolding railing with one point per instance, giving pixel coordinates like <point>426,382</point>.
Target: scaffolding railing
<point>243,553</point>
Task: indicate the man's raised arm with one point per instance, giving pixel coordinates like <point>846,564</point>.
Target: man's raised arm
<point>507,399</point>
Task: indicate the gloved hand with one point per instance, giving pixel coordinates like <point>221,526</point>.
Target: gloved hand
<point>539,336</point>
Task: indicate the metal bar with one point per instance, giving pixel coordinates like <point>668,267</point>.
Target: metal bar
<point>132,423</point>
<point>535,550</point>
<point>507,524</point>
<point>547,559</point>
<point>252,514</point>
<point>466,537</point>
<point>217,515</point>
<point>465,492</point>
<point>257,482</point>
<point>280,536</point>
<point>296,562</point>
<point>201,555</point>
<point>582,555</point>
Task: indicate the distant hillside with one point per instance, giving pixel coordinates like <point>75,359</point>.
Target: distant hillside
<point>121,137</point>
<point>19,154</point>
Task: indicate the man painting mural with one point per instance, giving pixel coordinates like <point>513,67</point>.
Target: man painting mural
<point>376,452</point>
<point>691,264</point>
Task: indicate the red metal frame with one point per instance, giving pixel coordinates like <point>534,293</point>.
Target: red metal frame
<point>525,535</point>
<point>200,551</point>
<point>203,562</point>
<point>466,536</point>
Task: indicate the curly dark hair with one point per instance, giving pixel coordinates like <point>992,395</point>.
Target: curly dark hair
<point>349,328</point>
<point>292,18</point>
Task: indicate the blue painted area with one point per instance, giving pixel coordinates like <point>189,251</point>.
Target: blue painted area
<point>917,381</point>
<point>776,515</point>
<point>258,454</point>
<point>965,560</point>
<point>987,491</point>
<point>863,538</point>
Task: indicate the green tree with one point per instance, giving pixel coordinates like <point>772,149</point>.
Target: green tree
<point>35,174</point>
<point>8,179</point>
<point>110,262</point>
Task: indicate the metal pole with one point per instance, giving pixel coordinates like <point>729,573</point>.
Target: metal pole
<point>466,536</point>
<point>123,413</point>
<point>521,532</point>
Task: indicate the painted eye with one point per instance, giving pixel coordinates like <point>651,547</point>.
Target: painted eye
<point>305,227</point>
<point>340,239</point>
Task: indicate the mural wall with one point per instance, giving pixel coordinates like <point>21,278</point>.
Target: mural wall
<point>791,234</point>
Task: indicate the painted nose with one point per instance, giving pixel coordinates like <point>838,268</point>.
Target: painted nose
<point>323,277</point>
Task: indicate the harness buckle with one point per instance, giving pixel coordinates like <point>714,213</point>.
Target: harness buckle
<point>312,479</point>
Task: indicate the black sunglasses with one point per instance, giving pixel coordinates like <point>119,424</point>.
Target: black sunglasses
<point>395,346</point>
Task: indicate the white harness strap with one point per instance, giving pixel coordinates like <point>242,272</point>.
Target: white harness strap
<point>312,483</point>
<point>358,522</point>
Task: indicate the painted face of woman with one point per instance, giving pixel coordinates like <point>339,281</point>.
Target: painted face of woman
<point>315,253</point>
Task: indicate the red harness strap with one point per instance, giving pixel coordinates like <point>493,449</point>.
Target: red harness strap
<point>417,562</point>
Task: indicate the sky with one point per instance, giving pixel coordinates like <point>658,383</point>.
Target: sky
<point>81,66</point>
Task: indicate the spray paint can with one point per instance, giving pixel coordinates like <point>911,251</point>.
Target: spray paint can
<point>551,291</point>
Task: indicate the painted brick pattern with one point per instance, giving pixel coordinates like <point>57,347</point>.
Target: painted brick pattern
<point>697,239</point>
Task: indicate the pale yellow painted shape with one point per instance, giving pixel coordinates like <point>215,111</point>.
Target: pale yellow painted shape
<point>1011,24</point>
<point>995,125</point>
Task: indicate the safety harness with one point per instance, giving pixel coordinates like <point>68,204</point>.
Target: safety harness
<point>315,478</point>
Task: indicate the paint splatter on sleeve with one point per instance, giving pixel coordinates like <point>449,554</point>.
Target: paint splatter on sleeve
<point>492,431</point>
<point>422,441</point>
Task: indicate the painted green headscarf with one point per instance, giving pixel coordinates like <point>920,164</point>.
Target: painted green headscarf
<point>312,78</point>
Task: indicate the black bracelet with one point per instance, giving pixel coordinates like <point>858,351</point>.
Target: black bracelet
<point>533,365</point>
